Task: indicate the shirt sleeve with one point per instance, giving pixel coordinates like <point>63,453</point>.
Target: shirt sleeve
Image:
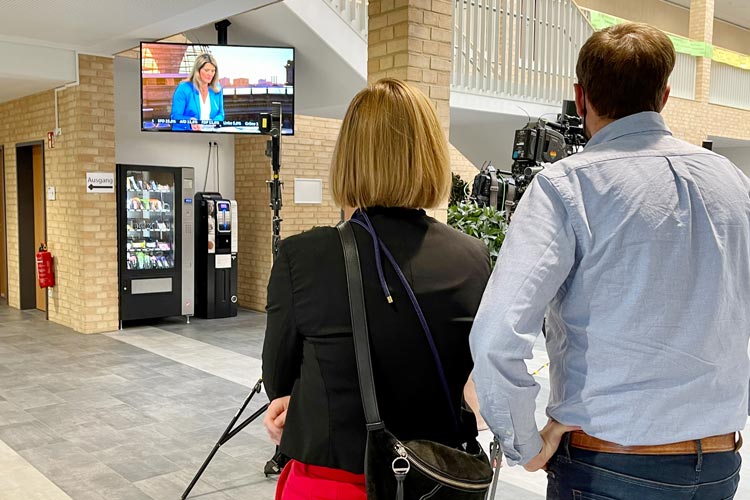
<point>535,260</point>
<point>282,346</point>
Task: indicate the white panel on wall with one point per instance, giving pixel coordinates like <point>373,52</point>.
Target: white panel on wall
<point>740,156</point>
<point>308,191</point>
<point>166,149</point>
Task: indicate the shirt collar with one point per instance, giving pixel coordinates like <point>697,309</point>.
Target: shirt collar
<point>645,121</point>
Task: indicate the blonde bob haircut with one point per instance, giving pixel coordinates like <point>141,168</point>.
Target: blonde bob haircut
<point>200,61</point>
<point>391,150</point>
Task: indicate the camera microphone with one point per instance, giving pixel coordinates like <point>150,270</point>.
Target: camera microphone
<point>531,171</point>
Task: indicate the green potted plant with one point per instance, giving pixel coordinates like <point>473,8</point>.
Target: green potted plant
<point>486,223</point>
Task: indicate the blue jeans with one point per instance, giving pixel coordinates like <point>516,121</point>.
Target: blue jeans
<point>574,474</point>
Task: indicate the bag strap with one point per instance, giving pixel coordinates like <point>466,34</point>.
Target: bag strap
<point>359,327</point>
<point>379,245</point>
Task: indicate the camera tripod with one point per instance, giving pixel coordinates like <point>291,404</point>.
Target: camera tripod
<point>269,124</point>
<point>229,433</point>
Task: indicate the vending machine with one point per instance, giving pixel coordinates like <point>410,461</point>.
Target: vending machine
<point>216,244</point>
<point>155,241</point>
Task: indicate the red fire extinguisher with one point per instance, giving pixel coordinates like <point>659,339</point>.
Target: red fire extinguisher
<point>45,271</point>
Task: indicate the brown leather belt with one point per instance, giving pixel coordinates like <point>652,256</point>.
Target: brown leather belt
<point>713,444</point>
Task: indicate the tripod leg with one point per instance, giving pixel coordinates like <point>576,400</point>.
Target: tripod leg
<point>224,438</point>
<point>275,464</point>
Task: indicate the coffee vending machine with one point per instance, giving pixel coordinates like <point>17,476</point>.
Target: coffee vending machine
<point>216,242</point>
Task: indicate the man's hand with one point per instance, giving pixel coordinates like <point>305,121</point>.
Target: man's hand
<point>275,418</point>
<point>551,436</point>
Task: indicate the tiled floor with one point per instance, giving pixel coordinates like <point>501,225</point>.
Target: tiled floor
<point>131,415</point>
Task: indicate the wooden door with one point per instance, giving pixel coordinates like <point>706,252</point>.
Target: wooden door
<point>40,222</point>
<point>3,237</point>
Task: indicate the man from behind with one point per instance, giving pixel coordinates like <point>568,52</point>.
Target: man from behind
<point>638,249</point>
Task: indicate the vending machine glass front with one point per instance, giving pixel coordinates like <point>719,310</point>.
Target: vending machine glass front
<point>150,241</point>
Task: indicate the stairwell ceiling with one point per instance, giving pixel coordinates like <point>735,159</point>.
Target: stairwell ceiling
<point>106,27</point>
<point>735,12</point>
<point>98,27</point>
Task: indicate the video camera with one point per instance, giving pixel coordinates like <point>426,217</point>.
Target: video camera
<point>537,143</point>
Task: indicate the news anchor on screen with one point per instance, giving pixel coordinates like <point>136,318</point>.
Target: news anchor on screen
<point>199,98</point>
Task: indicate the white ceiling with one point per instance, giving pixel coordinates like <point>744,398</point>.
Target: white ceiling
<point>40,37</point>
<point>45,33</point>
<point>106,27</point>
<point>735,12</point>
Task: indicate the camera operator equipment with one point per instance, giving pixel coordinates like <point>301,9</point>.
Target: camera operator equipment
<point>269,124</point>
<point>537,143</point>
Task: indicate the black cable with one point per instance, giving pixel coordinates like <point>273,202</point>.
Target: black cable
<point>208,165</point>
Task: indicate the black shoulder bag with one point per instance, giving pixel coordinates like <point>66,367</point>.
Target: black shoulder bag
<point>405,470</point>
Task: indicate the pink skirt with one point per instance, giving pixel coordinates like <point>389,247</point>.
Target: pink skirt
<point>300,481</point>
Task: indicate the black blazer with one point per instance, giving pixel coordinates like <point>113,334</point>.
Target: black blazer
<point>309,351</point>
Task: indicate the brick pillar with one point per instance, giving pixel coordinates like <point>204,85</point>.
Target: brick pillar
<point>411,40</point>
<point>702,28</point>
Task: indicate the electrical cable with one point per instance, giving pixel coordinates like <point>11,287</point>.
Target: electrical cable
<point>208,166</point>
<point>218,183</point>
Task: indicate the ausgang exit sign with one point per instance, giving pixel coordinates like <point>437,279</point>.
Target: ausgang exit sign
<point>100,182</point>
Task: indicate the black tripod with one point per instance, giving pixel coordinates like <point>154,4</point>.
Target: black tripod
<point>229,433</point>
<point>270,124</point>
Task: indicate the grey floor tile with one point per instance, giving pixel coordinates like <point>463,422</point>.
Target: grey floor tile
<point>98,478</point>
<point>11,414</point>
<point>62,415</point>
<point>143,468</point>
<point>122,416</point>
<point>93,436</point>
<point>27,435</point>
<point>61,460</point>
<point>171,486</point>
<point>31,397</point>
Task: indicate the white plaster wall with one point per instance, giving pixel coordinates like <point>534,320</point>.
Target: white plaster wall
<point>165,148</point>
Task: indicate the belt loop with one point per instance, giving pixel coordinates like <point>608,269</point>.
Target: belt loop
<point>699,452</point>
<point>565,445</point>
<point>738,443</point>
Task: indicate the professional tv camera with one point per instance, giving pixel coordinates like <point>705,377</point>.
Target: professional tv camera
<point>537,143</point>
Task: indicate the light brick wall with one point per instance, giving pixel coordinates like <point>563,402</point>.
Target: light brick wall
<point>701,22</point>
<point>305,155</point>
<point>81,228</point>
<point>23,120</point>
<point>695,121</point>
<point>701,28</point>
<point>411,40</point>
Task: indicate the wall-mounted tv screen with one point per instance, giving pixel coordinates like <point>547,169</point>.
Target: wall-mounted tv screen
<point>214,88</point>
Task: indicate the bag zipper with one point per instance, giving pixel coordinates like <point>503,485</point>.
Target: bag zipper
<point>425,469</point>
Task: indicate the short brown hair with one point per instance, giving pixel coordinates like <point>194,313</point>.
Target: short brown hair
<point>624,69</point>
<point>391,150</point>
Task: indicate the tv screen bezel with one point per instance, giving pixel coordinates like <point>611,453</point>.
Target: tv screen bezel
<point>199,132</point>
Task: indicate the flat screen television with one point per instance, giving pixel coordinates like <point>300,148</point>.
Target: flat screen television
<point>214,88</point>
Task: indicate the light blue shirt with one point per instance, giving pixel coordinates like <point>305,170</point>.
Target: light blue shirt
<point>638,249</point>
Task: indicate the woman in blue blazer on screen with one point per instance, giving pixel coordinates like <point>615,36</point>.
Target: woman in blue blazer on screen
<point>200,97</point>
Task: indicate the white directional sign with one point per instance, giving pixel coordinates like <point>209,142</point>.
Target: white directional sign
<point>100,182</point>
